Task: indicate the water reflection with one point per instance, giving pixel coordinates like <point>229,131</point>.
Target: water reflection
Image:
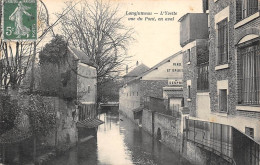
<point>120,142</point>
<point>111,146</point>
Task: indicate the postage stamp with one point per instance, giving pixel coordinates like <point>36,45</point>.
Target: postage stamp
<point>20,20</point>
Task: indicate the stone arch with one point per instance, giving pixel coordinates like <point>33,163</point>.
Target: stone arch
<point>159,134</point>
<point>248,31</point>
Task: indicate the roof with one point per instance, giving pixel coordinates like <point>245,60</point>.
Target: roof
<point>137,71</point>
<point>14,135</point>
<point>156,66</point>
<point>79,54</point>
<point>89,123</point>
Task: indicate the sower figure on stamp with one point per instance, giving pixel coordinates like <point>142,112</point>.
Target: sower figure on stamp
<point>17,16</point>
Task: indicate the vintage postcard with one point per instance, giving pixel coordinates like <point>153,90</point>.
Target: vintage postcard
<point>130,82</point>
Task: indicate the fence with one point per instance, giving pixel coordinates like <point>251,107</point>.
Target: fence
<point>223,140</point>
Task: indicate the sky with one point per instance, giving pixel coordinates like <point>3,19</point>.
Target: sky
<point>154,40</point>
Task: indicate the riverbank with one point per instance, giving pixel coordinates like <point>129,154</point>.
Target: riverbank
<point>119,142</point>
<point>169,131</point>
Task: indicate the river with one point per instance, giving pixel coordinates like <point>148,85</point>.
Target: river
<point>120,142</point>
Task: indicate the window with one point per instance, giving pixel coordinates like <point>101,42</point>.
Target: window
<point>203,81</point>
<point>249,84</point>
<point>223,100</point>
<point>188,55</point>
<point>189,92</point>
<point>136,93</point>
<point>168,70</point>
<point>249,131</point>
<point>249,7</point>
<point>88,89</point>
<point>222,42</point>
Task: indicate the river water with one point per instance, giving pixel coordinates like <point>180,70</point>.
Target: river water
<point>120,142</point>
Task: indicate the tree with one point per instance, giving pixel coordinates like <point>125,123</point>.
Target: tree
<point>54,52</point>
<point>52,58</point>
<point>109,91</point>
<point>99,32</point>
<point>13,64</point>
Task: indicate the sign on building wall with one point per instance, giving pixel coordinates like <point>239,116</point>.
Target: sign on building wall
<point>175,82</point>
<point>20,20</point>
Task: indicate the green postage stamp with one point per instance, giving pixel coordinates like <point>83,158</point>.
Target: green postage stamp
<point>20,19</point>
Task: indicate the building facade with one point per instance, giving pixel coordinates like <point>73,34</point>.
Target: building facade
<point>223,85</point>
<point>195,61</point>
<point>75,84</point>
<point>221,89</point>
<point>159,82</point>
<point>234,64</point>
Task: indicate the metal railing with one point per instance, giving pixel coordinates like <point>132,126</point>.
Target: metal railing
<point>223,140</point>
<point>249,91</point>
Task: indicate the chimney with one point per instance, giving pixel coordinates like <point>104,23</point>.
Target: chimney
<point>126,69</point>
<point>137,63</point>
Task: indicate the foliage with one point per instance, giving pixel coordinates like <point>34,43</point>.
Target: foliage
<point>54,52</point>
<point>9,111</point>
<point>109,91</point>
<point>42,117</point>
